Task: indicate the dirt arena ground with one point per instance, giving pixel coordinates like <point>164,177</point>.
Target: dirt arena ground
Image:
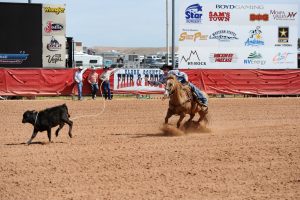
<point>252,152</point>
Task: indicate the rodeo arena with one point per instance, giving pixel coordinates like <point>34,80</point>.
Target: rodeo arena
<point>217,117</point>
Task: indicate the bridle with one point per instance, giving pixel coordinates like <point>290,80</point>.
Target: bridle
<point>170,93</point>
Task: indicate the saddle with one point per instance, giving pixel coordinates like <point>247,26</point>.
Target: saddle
<point>186,88</point>
<point>192,97</point>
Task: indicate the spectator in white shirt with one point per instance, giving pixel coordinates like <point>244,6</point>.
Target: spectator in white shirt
<point>78,79</point>
<point>104,77</point>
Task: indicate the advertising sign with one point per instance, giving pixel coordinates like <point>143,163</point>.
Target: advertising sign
<point>20,35</point>
<point>222,35</point>
<point>54,51</point>
<point>137,80</point>
<point>54,40</point>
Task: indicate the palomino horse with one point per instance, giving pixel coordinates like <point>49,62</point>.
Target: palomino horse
<point>182,102</point>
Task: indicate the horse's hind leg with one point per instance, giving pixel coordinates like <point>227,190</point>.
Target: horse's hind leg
<point>169,114</point>
<point>180,120</point>
<point>202,114</point>
<point>191,117</point>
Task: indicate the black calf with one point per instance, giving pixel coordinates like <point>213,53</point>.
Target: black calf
<point>47,119</point>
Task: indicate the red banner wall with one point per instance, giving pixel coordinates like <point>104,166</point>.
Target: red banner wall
<point>259,82</point>
<point>40,82</point>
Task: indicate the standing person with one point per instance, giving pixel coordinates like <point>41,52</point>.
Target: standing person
<point>78,78</point>
<point>183,78</point>
<point>93,80</point>
<point>104,77</point>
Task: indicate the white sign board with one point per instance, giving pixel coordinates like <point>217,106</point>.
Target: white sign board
<point>224,35</point>
<point>54,39</point>
<point>137,80</point>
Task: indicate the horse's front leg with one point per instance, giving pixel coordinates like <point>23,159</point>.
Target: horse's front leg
<point>169,114</point>
<point>180,119</point>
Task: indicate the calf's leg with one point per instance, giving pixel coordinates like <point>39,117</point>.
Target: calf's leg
<point>70,123</point>
<point>34,133</point>
<point>49,134</point>
<point>61,125</point>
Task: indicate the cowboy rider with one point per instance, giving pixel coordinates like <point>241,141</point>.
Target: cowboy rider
<point>182,78</point>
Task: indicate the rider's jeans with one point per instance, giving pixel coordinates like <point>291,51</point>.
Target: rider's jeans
<point>201,97</point>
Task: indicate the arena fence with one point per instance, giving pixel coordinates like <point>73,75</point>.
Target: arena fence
<point>56,82</point>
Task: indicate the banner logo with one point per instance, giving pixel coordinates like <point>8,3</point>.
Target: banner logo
<point>193,14</point>
<point>255,38</point>
<point>223,57</point>
<point>224,36</point>
<point>57,10</point>
<point>259,17</point>
<point>255,59</point>
<point>53,45</point>
<point>192,59</point>
<point>282,58</point>
<point>240,7</point>
<point>283,37</point>
<point>219,16</point>
<point>54,58</point>
<point>53,27</point>
<point>13,58</point>
<point>197,36</point>
<point>282,15</point>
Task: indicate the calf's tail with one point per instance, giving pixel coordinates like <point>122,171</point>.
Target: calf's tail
<point>67,109</point>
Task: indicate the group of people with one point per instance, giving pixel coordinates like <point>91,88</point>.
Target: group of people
<point>93,80</point>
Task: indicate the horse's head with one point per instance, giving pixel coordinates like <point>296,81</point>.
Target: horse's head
<point>171,85</point>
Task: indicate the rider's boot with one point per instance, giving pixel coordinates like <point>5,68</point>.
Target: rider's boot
<point>202,105</point>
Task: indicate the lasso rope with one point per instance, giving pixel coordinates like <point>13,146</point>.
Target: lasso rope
<point>103,108</point>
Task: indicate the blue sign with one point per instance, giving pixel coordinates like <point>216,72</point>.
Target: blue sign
<point>193,14</point>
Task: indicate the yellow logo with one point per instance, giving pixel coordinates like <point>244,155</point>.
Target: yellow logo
<point>194,37</point>
<point>54,10</point>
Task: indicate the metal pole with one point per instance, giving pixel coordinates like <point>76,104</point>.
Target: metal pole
<point>29,1</point>
<point>167,32</point>
<point>73,54</point>
<point>173,34</point>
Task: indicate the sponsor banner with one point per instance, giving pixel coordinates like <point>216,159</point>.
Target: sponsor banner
<point>54,19</point>
<point>54,31</point>
<point>231,58</point>
<point>230,36</point>
<point>238,36</point>
<point>193,12</point>
<point>54,52</point>
<point>132,80</point>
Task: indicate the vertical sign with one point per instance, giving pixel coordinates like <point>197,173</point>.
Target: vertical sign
<point>226,35</point>
<point>54,36</point>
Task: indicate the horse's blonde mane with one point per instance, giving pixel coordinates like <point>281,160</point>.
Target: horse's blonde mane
<point>172,77</point>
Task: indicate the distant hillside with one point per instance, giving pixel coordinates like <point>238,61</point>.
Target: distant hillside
<point>131,50</point>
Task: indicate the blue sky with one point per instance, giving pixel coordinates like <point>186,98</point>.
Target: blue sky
<point>122,23</point>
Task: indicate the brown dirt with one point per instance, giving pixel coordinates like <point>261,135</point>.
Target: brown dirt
<point>251,152</point>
